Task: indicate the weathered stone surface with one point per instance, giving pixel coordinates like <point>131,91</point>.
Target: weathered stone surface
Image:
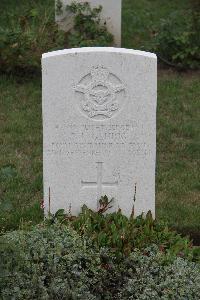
<point>111,16</point>
<point>99,127</point>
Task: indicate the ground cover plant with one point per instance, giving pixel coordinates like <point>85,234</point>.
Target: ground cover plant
<point>122,234</point>
<point>177,186</point>
<point>53,261</point>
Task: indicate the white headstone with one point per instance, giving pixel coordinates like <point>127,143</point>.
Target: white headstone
<point>99,127</point>
<point>111,16</point>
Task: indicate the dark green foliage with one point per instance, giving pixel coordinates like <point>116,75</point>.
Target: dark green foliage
<point>88,32</point>
<point>59,7</point>
<point>31,34</point>
<point>122,235</point>
<point>177,40</point>
<point>28,36</point>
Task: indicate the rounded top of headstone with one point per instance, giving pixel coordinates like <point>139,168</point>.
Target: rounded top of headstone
<point>98,50</point>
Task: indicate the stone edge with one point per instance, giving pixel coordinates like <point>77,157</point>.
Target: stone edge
<point>98,50</point>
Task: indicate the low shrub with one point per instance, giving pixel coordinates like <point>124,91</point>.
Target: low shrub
<point>53,262</point>
<point>87,30</point>
<point>24,41</point>
<point>31,34</point>
<point>177,40</point>
<point>48,263</point>
<point>122,235</point>
<point>148,278</point>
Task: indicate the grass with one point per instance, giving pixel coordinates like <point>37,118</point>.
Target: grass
<point>140,19</point>
<point>178,132</point>
<point>21,149</point>
<point>177,151</point>
<point>178,144</point>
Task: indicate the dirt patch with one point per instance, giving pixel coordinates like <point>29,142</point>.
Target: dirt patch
<point>187,75</point>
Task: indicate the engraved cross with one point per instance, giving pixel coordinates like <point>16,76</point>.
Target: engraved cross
<point>99,184</point>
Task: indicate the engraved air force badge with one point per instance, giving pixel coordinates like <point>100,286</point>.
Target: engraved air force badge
<point>100,91</point>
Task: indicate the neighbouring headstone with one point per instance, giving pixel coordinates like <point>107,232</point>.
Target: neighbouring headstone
<point>99,127</point>
<point>111,16</point>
